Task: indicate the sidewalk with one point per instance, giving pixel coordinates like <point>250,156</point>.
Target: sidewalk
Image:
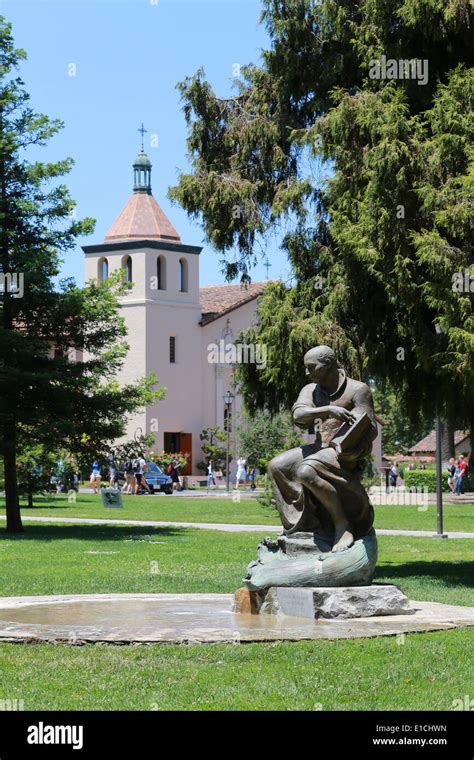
<point>377,497</point>
<point>381,496</point>
<point>224,527</point>
<point>202,493</point>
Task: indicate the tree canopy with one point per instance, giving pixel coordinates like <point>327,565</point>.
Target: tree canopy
<point>370,181</point>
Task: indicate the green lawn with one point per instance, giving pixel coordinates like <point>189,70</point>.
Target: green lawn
<point>160,507</point>
<point>457,517</point>
<point>62,559</point>
<point>425,671</point>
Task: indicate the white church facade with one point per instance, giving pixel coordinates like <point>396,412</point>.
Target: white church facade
<point>173,324</point>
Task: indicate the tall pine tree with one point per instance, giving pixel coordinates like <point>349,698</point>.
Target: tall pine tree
<point>375,249</point>
<point>60,347</point>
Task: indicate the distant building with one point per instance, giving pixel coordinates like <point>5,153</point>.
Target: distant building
<point>427,446</point>
<point>183,333</point>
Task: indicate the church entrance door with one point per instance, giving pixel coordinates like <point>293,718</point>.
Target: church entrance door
<point>180,442</point>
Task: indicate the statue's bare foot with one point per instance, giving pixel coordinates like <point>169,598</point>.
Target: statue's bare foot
<point>342,540</point>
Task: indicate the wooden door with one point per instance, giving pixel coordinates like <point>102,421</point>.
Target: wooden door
<point>186,446</point>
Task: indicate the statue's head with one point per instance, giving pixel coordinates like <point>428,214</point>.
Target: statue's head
<point>320,363</point>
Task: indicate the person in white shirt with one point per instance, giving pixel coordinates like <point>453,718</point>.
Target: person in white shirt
<point>210,475</point>
<point>241,472</point>
<point>140,469</point>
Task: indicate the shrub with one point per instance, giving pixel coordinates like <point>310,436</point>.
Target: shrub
<point>421,479</point>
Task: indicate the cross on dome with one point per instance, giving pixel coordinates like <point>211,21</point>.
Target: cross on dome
<point>142,169</point>
<point>143,131</point>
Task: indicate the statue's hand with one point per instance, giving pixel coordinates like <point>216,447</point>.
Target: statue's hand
<point>341,414</point>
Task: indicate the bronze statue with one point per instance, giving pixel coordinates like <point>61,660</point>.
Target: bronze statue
<point>328,537</point>
<point>318,487</point>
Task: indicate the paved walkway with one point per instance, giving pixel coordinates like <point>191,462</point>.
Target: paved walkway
<point>203,493</point>
<point>225,527</point>
<point>377,497</point>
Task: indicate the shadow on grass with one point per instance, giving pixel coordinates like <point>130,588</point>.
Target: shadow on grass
<point>454,573</point>
<point>51,502</point>
<point>61,502</point>
<point>90,532</point>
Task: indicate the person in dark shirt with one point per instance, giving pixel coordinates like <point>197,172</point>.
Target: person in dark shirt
<point>451,474</point>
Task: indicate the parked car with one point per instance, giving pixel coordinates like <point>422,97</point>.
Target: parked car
<point>154,476</point>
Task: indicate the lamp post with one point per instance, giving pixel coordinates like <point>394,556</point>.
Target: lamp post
<point>228,399</point>
<point>439,482</point>
<point>439,463</point>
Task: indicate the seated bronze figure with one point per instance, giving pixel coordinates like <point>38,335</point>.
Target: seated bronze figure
<point>317,487</point>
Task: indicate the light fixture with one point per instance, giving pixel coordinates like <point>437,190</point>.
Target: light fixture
<point>228,398</point>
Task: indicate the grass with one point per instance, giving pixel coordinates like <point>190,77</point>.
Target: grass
<point>429,671</point>
<point>424,671</point>
<point>457,517</point>
<point>160,507</point>
<point>62,559</point>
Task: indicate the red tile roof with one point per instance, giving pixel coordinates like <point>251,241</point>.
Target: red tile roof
<point>428,443</point>
<point>217,300</point>
<point>142,219</point>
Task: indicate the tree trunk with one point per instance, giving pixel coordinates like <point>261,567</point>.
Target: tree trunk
<point>12,503</point>
<point>447,441</point>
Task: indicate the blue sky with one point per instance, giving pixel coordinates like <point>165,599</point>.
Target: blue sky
<point>128,57</point>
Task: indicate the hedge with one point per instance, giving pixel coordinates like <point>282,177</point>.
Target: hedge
<point>421,479</point>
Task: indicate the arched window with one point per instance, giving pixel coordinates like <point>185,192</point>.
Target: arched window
<point>183,276</point>
<point>161,272</point>
<point>102,270</point>
<point>127,270</point>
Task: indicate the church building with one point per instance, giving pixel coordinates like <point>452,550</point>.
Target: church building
<point>176,329</point>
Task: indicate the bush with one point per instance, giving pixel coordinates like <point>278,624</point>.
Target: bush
<point>421,479</point>
<point>266,498</point>
<point>164,458</point>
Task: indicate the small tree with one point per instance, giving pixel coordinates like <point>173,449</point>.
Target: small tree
<point>35,466</point>
<point>210,446</point>
<point>133,449</point>
<point>164,458</point>
<point>263,436</point>
<point>399,430</point>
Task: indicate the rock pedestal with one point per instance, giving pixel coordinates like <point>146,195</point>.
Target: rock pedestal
<point>306,559</point>
<point>327,603</point>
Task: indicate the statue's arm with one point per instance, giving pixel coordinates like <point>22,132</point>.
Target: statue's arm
<point>304,416</point>
<point>363,402</point>
<point>304,412</point>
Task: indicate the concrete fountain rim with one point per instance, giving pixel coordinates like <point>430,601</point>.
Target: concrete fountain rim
<point>219,624</point>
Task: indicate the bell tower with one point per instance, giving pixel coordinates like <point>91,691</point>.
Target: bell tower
<point>161,308</point>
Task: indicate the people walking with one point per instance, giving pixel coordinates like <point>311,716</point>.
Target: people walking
<point>452,474</point>
<point>394,473</point>
<point>241,472</point>
<point>96,477</point>
<point>112,469</point>
<point>130,481</point>
<point>140,467</point>
<point>252,474</point>
<point>173,472</point>
<point>461,476</point>
<point>210,475</point>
